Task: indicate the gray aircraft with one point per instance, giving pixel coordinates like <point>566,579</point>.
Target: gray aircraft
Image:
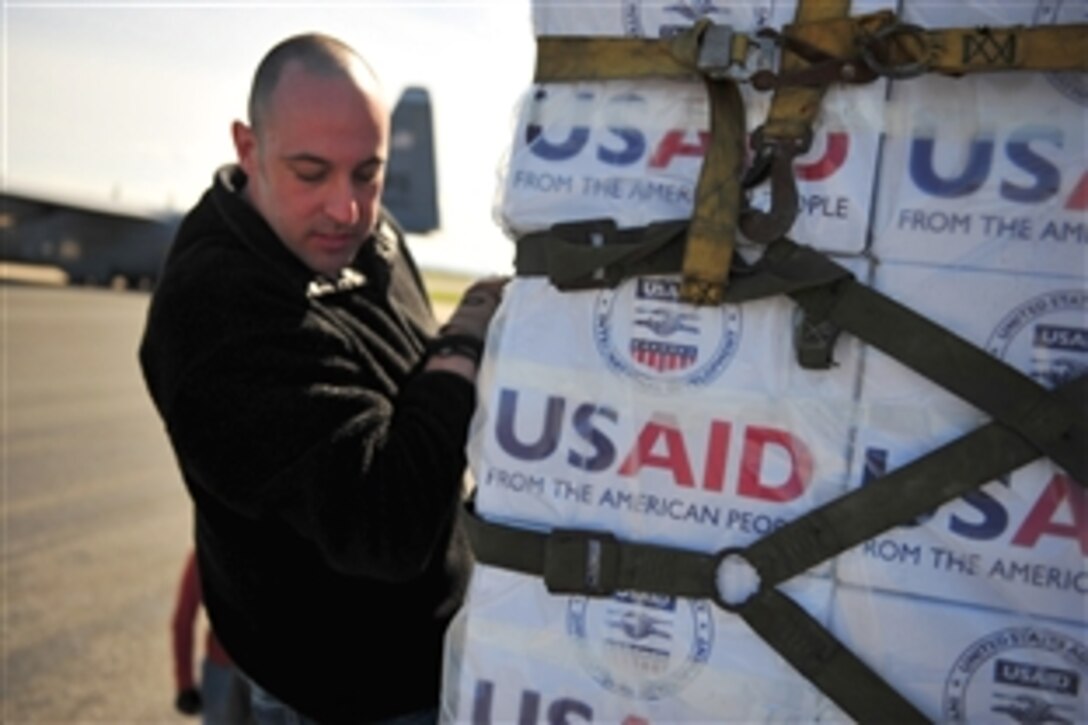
<point>108,245</point>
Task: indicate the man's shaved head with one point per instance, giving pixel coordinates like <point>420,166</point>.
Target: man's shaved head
<point>321,55</point>
<point>315,149</point>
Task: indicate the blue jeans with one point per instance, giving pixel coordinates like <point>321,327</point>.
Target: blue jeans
<point>225,695</point>
<point>270,710</point>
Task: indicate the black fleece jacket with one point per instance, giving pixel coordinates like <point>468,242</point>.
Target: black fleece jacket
<point>325,467</point>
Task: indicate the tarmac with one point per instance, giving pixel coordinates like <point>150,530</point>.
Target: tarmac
<point>94,518</point>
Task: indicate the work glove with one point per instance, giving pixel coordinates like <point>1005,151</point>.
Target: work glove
<point>188,701</point>
<point>466,328</point>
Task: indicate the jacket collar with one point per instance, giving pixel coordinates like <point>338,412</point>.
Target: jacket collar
<point>371,264</point>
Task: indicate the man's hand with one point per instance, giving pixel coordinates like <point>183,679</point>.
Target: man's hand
<point>476,309</point>
<point>188,702</point>
<point>460,341</point>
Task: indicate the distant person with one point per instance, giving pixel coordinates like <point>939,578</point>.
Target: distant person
<point>317,413</point>
<point>222,695</point>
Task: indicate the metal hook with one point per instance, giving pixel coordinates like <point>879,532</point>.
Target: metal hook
<point>884,38</point>
<point>760,226</point>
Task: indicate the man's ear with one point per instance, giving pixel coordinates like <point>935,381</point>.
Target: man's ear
<point>245,145</point>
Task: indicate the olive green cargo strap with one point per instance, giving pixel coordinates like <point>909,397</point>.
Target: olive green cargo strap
<point>595,253</point>
<point>861,48</point>
<point>701,50</point>
<point>787,131</point>
<point>1028,420</point>
<point>901,496</point>
<point>828,292</point>
<point>825,661</point>
<point>698,52</point>
<point>823,46</point>
<point>596,563</point>
<point>996,388</point>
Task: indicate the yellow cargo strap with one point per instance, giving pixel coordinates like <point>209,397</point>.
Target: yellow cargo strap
<point>864,47</point>
<point>708,253</point>
<point>984,49</point>
<point>823,46</point>
<point>787,132</point>
<point>703,50</point>
<point>818,51</point>
<point>1027,421</point>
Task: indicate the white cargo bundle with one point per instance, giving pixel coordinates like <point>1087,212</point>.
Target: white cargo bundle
<point>625,410</point>
<point>1020,542</point>
<point>631,151</point>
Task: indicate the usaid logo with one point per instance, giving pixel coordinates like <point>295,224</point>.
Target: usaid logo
<point>643,331</point>
<point>1031,158</point>
<point>1072,85</point>
<point>1025,674</point>
<point>620,131</point>
<point>654,19</point>
<point>1046,336</point>
<point>641,646</point>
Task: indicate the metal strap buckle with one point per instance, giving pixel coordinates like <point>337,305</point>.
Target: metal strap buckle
<point>718,49</point>
<point>597,233</point>
<point>774,159</point>
<point>875,48</point>
<point>581,561</point>
<point>814,342</point>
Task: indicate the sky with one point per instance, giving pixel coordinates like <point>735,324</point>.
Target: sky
<point>129,104</point>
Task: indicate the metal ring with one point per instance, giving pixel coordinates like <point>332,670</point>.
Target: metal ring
<point>907,70</point>
<point>720,597</point>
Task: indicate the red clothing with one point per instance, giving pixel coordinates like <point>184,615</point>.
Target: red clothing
<point>184,625</point>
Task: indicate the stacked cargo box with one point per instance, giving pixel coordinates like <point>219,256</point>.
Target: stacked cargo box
<point>625,410</point>
<point>979,610</point>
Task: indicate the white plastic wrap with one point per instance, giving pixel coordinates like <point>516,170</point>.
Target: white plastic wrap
<point>661,422</point>
<point>625,410</point>
<point>527,656</point>
<point>632,151</point>
<point>968,664</point>
<point>962,185</point>
<point>1019,543</point>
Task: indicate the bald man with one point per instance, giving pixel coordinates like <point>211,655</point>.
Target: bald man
<point>317,413</point>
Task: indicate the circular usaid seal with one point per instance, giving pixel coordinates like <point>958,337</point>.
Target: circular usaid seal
<point>1026,674</point>
<point>641,646</point>
<point>1046,337</point>
<point>1071,84</point>
<point>657,20</point>
<point>644,331</point>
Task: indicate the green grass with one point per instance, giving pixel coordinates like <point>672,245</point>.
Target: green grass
<point>446,287</point>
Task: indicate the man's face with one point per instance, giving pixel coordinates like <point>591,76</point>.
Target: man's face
<point>316,165</point>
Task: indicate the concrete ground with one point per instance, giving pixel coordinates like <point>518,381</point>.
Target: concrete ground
<point>94,520</point>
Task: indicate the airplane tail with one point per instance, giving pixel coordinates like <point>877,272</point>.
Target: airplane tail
<point>411,185</point>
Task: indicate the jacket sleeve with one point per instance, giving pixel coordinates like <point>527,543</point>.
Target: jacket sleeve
<point>292,421</point>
